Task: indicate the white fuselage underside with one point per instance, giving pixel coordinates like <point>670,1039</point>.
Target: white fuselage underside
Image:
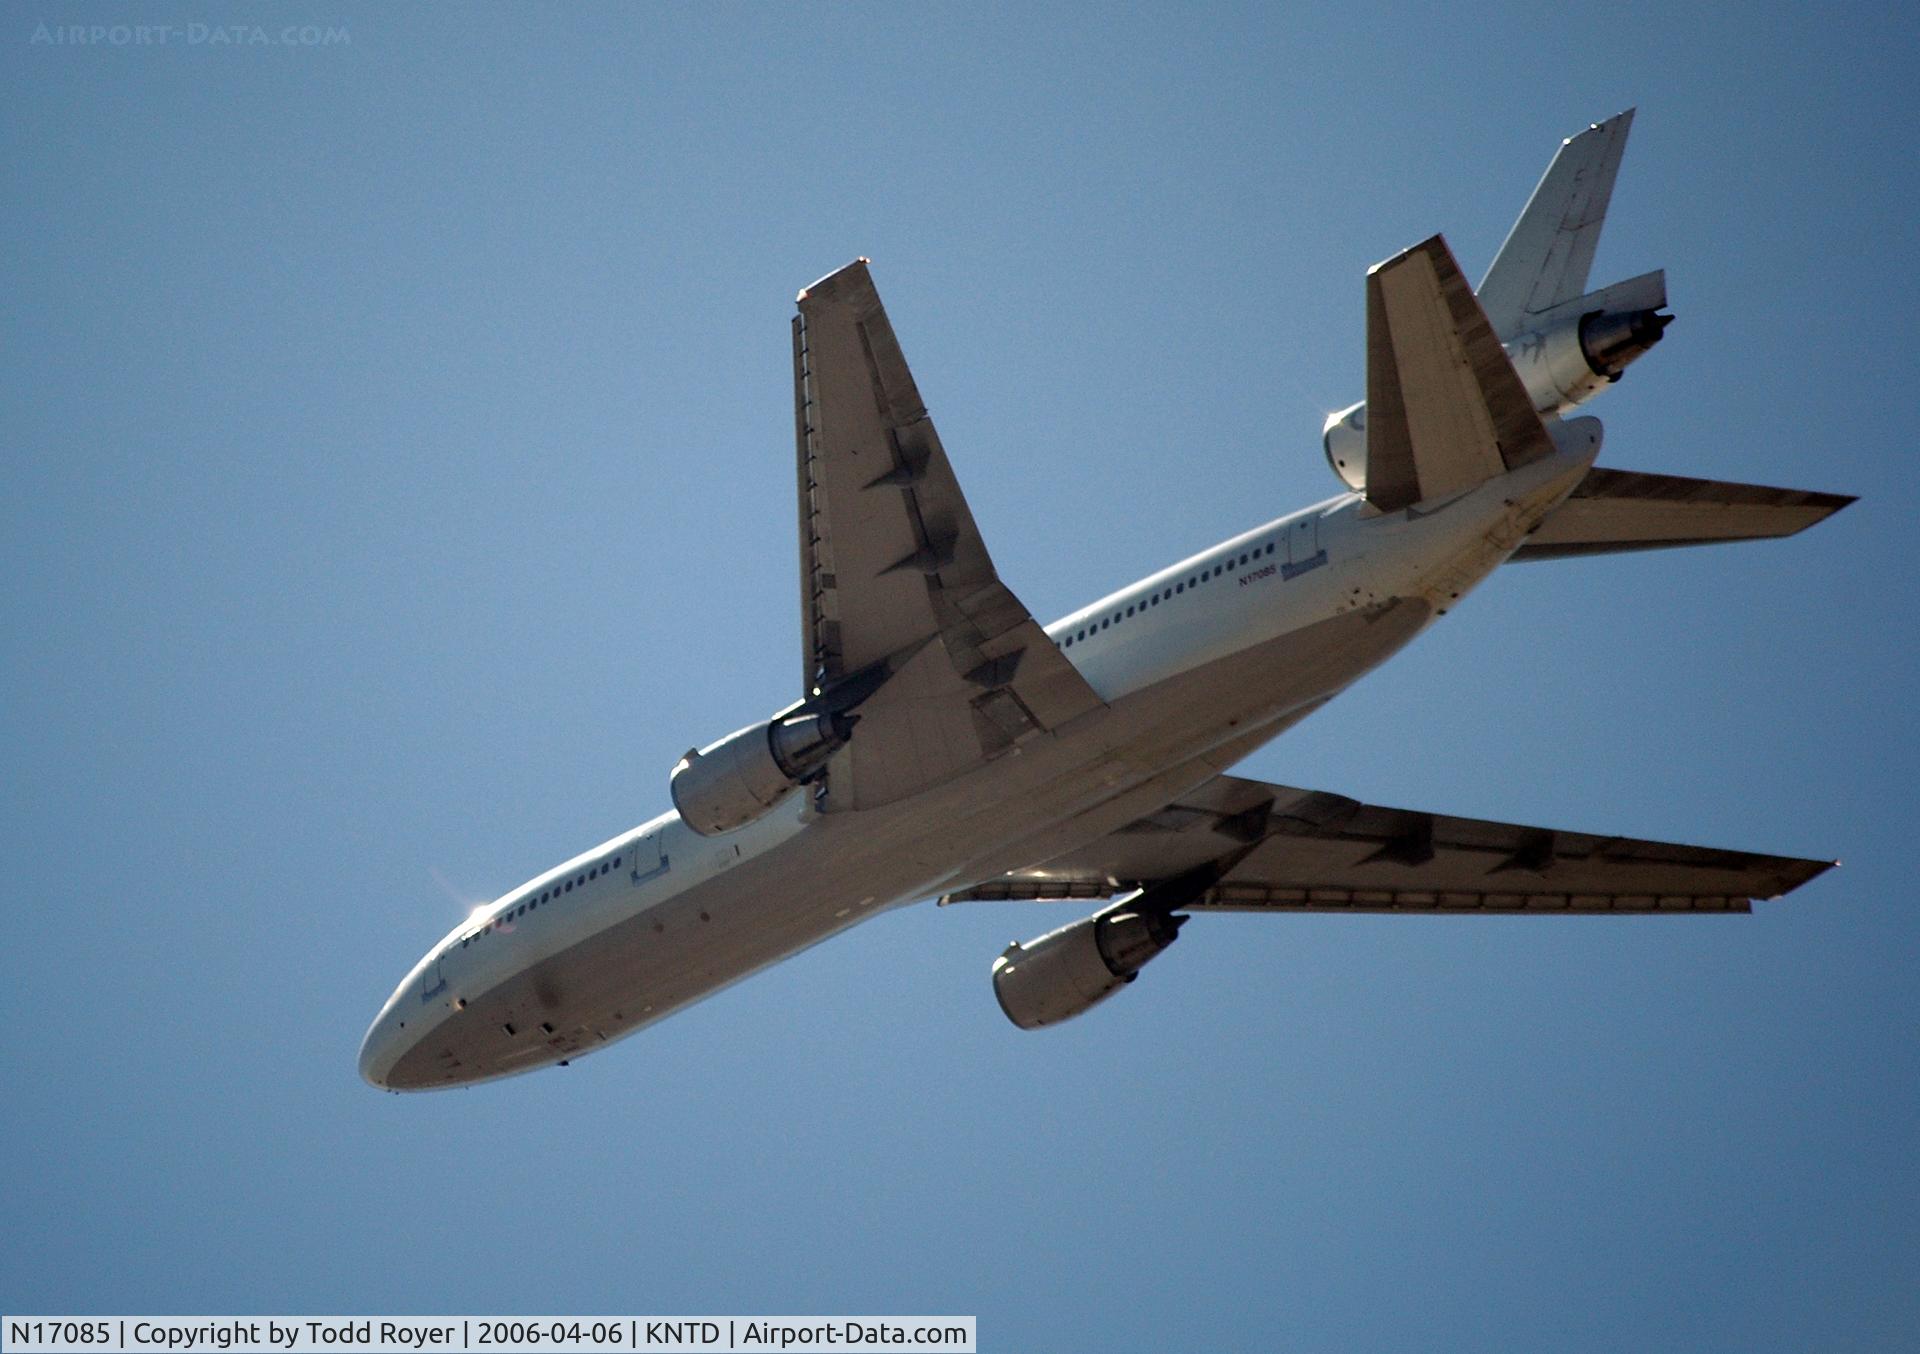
<point>1192,684</point>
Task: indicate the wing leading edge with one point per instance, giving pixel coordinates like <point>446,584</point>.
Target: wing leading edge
<point>1309,851</point>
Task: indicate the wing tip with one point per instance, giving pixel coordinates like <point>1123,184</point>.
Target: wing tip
<point>859,265</point>
<point>1798,872</point>
<point>1622,119</point>
<point>1434,245</point>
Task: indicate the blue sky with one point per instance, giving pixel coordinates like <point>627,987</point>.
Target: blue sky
<point>397,480</point>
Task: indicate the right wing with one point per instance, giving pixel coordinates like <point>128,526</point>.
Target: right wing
<point>1280,849</point>
<point>903,617</point>
<point>1619,510</point>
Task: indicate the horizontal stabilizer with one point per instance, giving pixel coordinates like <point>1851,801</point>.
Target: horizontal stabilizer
<point>1613,511</point>
<point>1445,409</point>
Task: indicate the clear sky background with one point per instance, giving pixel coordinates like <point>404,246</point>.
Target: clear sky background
<point>398,478</point>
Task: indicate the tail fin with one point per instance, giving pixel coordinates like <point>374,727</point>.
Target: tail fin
<point>1549,251</point>
<point>1445,409</point>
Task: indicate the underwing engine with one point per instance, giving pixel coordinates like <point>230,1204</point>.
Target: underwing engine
<point>730,783</point>
<point>1065,972</point>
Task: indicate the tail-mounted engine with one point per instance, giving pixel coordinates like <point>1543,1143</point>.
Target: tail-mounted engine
<point>732,782</point>
<point>1565,357</point>
<point>1566,365</point>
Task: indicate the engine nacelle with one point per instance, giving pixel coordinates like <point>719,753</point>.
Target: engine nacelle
<point>1563,368</point>
<point>1065,972</point>
<point>1345,439</point>
<point>1570,363</point>
<point>732,782</point>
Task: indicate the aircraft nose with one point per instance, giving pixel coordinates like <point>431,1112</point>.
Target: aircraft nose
<point>376,1052</point>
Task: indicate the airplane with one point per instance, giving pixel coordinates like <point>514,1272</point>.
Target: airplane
<point>945,745</point>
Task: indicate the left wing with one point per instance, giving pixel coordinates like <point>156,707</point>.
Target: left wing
<point>1282,849</point>
<point>902,612</point>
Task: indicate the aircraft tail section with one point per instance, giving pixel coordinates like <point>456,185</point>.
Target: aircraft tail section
<point>1547,255</point>
<point>1445,409</point>
<point>1567,343</point>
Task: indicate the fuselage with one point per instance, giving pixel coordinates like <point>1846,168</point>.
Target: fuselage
<point>1197,665</point>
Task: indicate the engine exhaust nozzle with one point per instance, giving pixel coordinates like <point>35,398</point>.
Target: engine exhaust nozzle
<point>1610,342</point>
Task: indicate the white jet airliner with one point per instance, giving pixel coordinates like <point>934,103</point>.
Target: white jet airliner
<point>946,745</point>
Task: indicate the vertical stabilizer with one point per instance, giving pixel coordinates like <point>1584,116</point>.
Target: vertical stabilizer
<point>1549,251</point>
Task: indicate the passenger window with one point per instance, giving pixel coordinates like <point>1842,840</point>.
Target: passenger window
<point>569,887</point>
<point>1129,611</point>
